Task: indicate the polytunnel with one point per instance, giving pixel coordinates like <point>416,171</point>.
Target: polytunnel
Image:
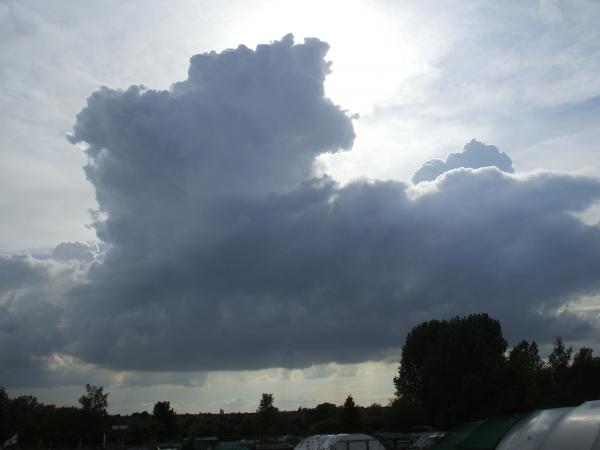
<point>354,441</point>
<point>572,428</point>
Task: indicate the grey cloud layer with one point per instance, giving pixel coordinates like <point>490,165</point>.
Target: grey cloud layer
<point>338,274</point>
<point>31,309</point>
<point>226,253</point>
<point>221,260</point>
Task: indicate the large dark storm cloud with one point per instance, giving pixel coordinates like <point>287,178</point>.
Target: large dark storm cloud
<point>226,254</point>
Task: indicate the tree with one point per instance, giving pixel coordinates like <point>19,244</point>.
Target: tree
<point>350,416</point>
<point>94,401</point>
<point>93,405</point>
<point>25,415</point>
<point>558,365</point>
<point>373,418</point>
<point>4,415</point>
<point>451,368</point>
<point>324,419</point>
<point>267,415</point>
<point>165,417</point>
<point>560,357</point>
<point>583,377</point>
<point>324,411</point>
<point>525,380</point>
<point>405,413</point>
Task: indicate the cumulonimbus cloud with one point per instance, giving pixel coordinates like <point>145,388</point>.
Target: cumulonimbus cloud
<point>226,253</point>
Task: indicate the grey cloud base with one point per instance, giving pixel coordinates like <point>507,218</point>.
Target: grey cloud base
<point>226,253</point>
<point>340,274</point>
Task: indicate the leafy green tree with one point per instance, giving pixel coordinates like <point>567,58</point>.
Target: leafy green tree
<point>452,368</point>
<point>350,416</point>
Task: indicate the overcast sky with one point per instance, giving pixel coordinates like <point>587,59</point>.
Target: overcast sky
<point>203,200</point>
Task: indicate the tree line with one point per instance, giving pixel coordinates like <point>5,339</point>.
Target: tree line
<point>49,426</point>
<point>451,371</point>
<point>458,370</point>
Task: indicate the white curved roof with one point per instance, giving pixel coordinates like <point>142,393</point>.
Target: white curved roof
<point>354,441</point>
<point>576,428</point>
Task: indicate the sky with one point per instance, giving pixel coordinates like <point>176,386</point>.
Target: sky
<point>203,201</point>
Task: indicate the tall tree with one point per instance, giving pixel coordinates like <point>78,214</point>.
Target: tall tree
<point>267,415</point>
<point>350,416</point>
<point>525,378</point>
<point>93,405</point>
<point>559,362</point>
<point>451,368</point>
<point>560,358</point>
<point>165,418</point>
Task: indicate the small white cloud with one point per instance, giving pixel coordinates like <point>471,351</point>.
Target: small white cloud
<point>79,251</point>
<point>474,155</point>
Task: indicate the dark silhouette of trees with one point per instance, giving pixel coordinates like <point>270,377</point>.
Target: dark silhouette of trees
<point>165,417</point>
<point>350,416</point>
<point>323,419</point>
<point>267,416</point>
<point>94,401</point>
<point>95,421</point>
<point>452,371</point>
<point>560,357</point>
<point>558,370</point>
<point>525,380</point>
<point>584,374</point>
<point>405,413</point>
<point>4,415</point>
<point>451,368</point>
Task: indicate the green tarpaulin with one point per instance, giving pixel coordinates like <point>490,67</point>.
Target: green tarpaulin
<point>483,435</point>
